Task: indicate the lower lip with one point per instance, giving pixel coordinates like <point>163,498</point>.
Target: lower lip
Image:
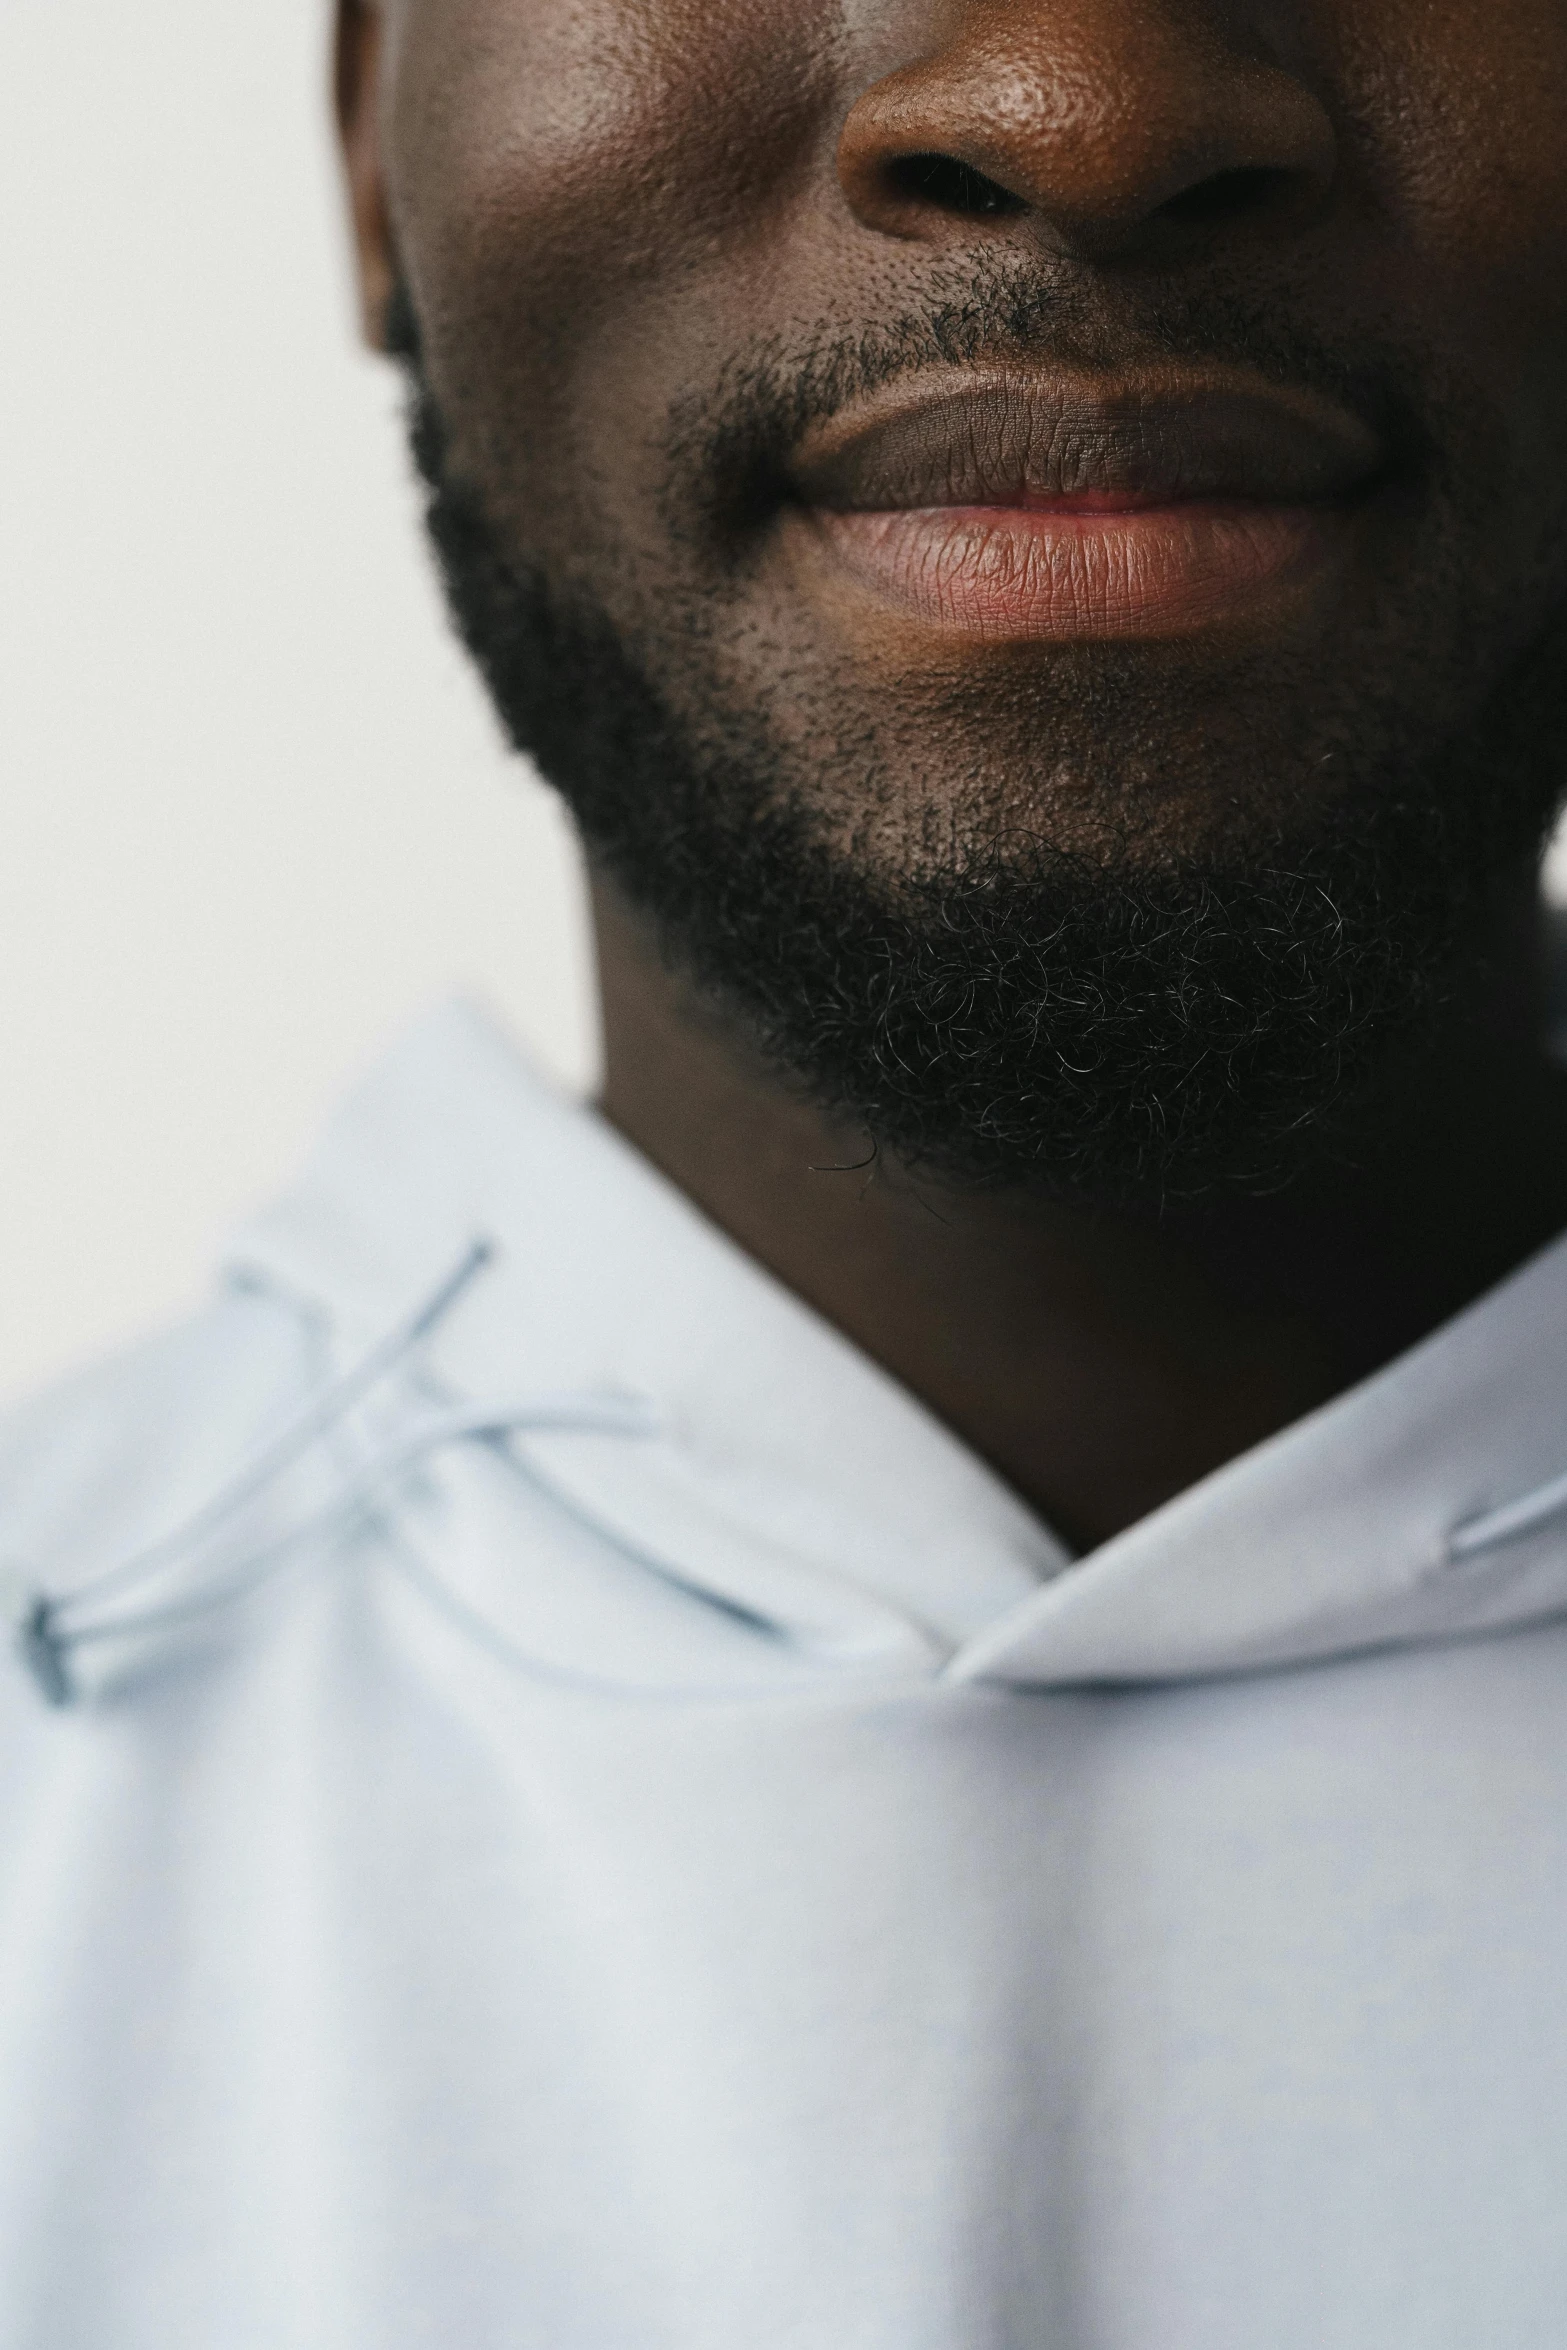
<point>1059,573</point>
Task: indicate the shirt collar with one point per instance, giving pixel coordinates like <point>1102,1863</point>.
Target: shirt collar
<point>791,1477</point>
<point>795,1481</point>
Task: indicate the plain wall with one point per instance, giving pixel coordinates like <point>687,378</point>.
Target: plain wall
<point>253,810</point>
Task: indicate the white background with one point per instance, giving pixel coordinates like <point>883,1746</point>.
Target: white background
<point>253,811</point>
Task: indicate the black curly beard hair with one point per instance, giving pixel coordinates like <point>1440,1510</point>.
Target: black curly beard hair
<point>1087,1031</point>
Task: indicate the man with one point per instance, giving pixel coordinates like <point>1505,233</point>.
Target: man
<point>903,1693</point>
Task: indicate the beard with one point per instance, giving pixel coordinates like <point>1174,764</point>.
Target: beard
<point>1002,1008</point>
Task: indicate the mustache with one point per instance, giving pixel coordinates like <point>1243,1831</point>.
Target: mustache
<point>728,447</point>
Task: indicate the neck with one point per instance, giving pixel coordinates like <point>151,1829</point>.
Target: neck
<point>1103,1360</point>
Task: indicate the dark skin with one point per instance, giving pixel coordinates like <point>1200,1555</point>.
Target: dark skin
<point>1103,1362</point>
<point>595,202</point>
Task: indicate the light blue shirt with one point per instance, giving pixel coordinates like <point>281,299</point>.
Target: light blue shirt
<point>585,1820</point>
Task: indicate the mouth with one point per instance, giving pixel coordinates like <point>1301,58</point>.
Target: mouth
<point>1007,507</point>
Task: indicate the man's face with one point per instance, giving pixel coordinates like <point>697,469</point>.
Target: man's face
<point>1128,434</point>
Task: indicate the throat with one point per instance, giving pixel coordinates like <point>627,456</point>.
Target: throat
<point>1103,1359</point>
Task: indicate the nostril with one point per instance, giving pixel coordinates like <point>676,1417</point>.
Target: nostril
<point>952,186</point>
<point>1229,195</point>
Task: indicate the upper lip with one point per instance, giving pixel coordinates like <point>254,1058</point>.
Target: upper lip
<point>988,436</point>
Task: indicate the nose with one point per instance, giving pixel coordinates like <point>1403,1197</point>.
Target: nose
<point>1109,127</point>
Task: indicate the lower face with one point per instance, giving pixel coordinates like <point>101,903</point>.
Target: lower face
<point>629,292</point>
<point>778,455</point>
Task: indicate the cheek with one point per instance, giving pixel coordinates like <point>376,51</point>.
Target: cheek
<point>555,154</point>
<point>1457,122</point>
<point>1459,108</point>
